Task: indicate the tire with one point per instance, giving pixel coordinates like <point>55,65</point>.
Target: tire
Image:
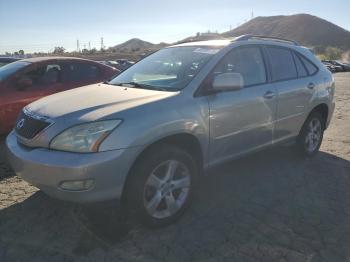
<point>156,202</point>
<point>311,135</point>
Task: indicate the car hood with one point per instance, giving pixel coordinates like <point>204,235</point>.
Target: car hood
<point>94,102</point>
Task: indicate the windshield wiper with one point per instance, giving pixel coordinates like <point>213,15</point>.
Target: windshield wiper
<point>142,86</point>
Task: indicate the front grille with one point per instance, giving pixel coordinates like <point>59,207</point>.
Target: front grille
<point>28,127</point>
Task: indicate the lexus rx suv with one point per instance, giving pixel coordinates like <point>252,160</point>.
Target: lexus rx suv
<point>145,137</point>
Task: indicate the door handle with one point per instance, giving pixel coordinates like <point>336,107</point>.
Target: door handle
<point>311,86</point>
<point>269,95</point>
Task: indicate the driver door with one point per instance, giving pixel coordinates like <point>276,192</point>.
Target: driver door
<point>242,121</point>
<point>35,82</point>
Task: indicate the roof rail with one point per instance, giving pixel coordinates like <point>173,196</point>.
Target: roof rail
<point>260,37</point>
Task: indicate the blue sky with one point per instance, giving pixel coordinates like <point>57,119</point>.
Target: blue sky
<point>40,25</point>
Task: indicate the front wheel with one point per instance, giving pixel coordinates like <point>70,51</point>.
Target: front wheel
<point>162,185</point>
<point>311,135</point>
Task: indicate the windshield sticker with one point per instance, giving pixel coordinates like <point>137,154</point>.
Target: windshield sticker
<point>206,50</point>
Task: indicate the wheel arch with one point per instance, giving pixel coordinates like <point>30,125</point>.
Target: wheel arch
<point>186,141</point>
<point>323,110</point>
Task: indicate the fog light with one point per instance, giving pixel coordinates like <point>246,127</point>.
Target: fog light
<point>79,185</point>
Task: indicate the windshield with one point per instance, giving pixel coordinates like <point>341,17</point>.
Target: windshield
<point>169,69</point>
<point>9,69</point>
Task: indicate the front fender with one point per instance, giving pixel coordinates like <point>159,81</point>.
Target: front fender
<point>141,128</point>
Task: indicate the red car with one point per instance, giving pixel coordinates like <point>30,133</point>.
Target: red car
<point>27,80</point>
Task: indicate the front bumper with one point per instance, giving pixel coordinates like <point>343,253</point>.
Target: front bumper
<point>47,169</point>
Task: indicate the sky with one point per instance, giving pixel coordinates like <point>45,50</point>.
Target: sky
<point>40,25</point>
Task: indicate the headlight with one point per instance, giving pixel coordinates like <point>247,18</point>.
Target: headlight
<point>84,138</point>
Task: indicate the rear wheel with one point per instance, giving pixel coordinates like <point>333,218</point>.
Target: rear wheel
<point>311,135</point>
<point>162,185</point>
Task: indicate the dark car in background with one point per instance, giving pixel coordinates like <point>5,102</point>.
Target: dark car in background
<point>7,60</point>
<point>27,80</point>
<point>330,67</point>
<point>111,63</point>
<point>120,64</point>
<point>124,64</point>
<point>340,66</point>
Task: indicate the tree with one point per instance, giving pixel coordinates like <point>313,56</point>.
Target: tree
<point>21,52</point>
<point>85,51</point>
<point>59,50</point>
<point>333,53</point>
<point>93,51</point>
<point>322,57</point>
<point>319,49</point>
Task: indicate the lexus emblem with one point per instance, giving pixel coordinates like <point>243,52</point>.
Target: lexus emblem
<point>20,123</point>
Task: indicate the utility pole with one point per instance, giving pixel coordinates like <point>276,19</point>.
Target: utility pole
<point>89,45</point>
<point>102,45</point>
<point>252,16</point>
<point>78,46</point>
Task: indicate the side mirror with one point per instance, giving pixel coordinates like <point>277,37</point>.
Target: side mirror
<point>228,82</point>
<point>23,83</point>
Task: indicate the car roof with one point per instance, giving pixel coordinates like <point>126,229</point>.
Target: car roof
<point>257,39</point>
<point>218,43</point>
<point>54,58</point>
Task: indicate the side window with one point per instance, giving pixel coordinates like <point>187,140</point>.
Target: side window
<point>81,72</point>
<point>300,67</point>
<point>282,64</point>
<point>248,61</point>
<point>311,68</point>
<point>44,75</point>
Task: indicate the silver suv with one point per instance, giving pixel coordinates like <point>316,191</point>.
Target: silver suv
<point>147,135</point>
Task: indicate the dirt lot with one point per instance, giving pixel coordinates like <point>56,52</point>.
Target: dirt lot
<point>271,206</point>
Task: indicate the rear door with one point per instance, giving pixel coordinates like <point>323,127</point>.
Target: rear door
<point>295,88</point>
<point>242,121</point>
<point>78,74</point>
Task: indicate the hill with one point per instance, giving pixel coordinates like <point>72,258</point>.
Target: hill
<point>135,44</point>
<point>308,30</point>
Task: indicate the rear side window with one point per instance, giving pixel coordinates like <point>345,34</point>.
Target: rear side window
<point>248,61</point>
<point>81,72</point>
<point>300,67</point>
<point>311,68</point>
<point>282,64</point>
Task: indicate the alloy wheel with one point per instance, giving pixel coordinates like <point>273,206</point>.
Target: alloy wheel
<point>313,135</point>
<point>166,189</point>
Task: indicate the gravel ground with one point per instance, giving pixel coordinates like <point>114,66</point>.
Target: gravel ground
<point>271,206</point>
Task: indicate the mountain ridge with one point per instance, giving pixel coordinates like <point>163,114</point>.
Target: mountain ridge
<point>312,31</point>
